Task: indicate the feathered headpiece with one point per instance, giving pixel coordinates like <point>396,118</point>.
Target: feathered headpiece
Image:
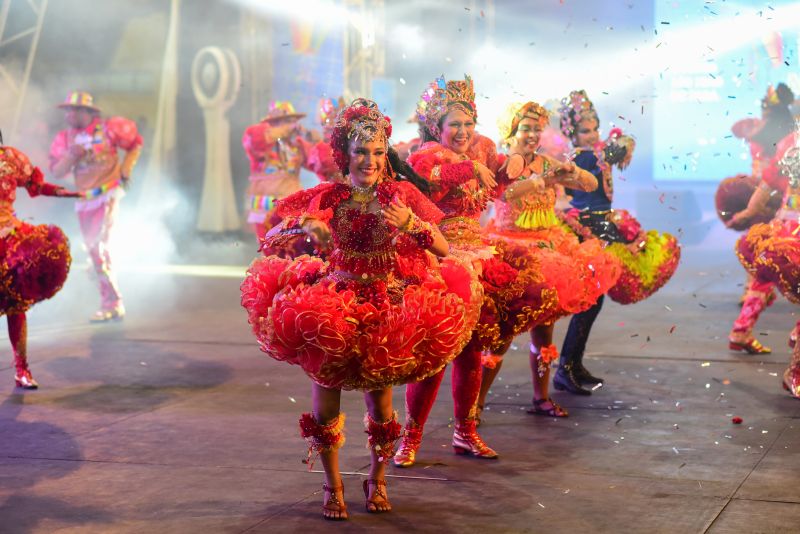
<point>574,109</point>
<point>443,96</point>
<point>513,115</point>
<point>363,120</point>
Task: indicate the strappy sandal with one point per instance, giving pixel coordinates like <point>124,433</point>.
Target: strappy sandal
<point>554,411</point>
<point>334,505</point>
<point>383,500</point>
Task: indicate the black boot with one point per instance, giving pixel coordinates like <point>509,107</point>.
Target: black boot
<point>565,380</point>
<point>584,376</point>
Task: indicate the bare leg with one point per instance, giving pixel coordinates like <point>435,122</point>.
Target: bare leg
<point>379,408</point>
<point>542,337</point>
<point>326,404</point>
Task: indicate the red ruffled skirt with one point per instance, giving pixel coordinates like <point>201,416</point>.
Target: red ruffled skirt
<point>579,272</point>
<point>771,252</point>
<point>35,263</point>
<point>349,335</point>
<point>515,294</point>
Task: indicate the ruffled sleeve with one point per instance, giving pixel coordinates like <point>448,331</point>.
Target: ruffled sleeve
<point>483,150</point>
<point>35,184</point>
<point>123,133</point>
<point>419,203</point>
<point>316,203</point>
<point>435,163</point>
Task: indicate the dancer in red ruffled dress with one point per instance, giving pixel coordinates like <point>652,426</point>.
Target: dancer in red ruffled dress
<point>381,312</point>
<point>460,165</point>
<point>34,259</point>
<point>767,186</point>
<point>771,251</point>
<point>89,150</point>
<point>525,216</point>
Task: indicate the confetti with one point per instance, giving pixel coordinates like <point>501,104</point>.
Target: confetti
<point>672,329</point>
<point>736,420</point>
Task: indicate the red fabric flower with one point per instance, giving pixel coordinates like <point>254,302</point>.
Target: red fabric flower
<point>549,353</point>
<point>497,274</point>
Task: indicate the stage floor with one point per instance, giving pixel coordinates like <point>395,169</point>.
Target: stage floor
<point>174,421</point>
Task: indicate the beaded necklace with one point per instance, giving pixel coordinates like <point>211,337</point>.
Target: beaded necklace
<point>363,195</point>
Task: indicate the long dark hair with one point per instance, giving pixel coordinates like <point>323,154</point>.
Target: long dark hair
<point>406,172</point>
<point>778,120</point>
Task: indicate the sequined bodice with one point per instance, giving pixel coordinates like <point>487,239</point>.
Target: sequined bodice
<point>362,241</point>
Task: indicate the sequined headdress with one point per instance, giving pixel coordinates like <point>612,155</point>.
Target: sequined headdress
<point>574,109</point>
<point>513,115</point>
<point>443,96</point>
<point>360,120</point>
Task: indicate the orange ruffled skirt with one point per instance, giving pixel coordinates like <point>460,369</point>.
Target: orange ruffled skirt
<point>578,272</point>
<point>348,335</point>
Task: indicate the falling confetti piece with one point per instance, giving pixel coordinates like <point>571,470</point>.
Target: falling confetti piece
<point>675,449</point>
<point>705,364</point>
<point>540,504</point>
<point>672,329</point>
<point>667,308</point>
<point>292,399</point>
<point>737,420</point>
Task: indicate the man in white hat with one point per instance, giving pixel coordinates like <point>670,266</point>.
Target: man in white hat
<point>88,149</point>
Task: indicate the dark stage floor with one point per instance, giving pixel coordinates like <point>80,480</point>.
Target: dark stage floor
<point>173,421</point>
